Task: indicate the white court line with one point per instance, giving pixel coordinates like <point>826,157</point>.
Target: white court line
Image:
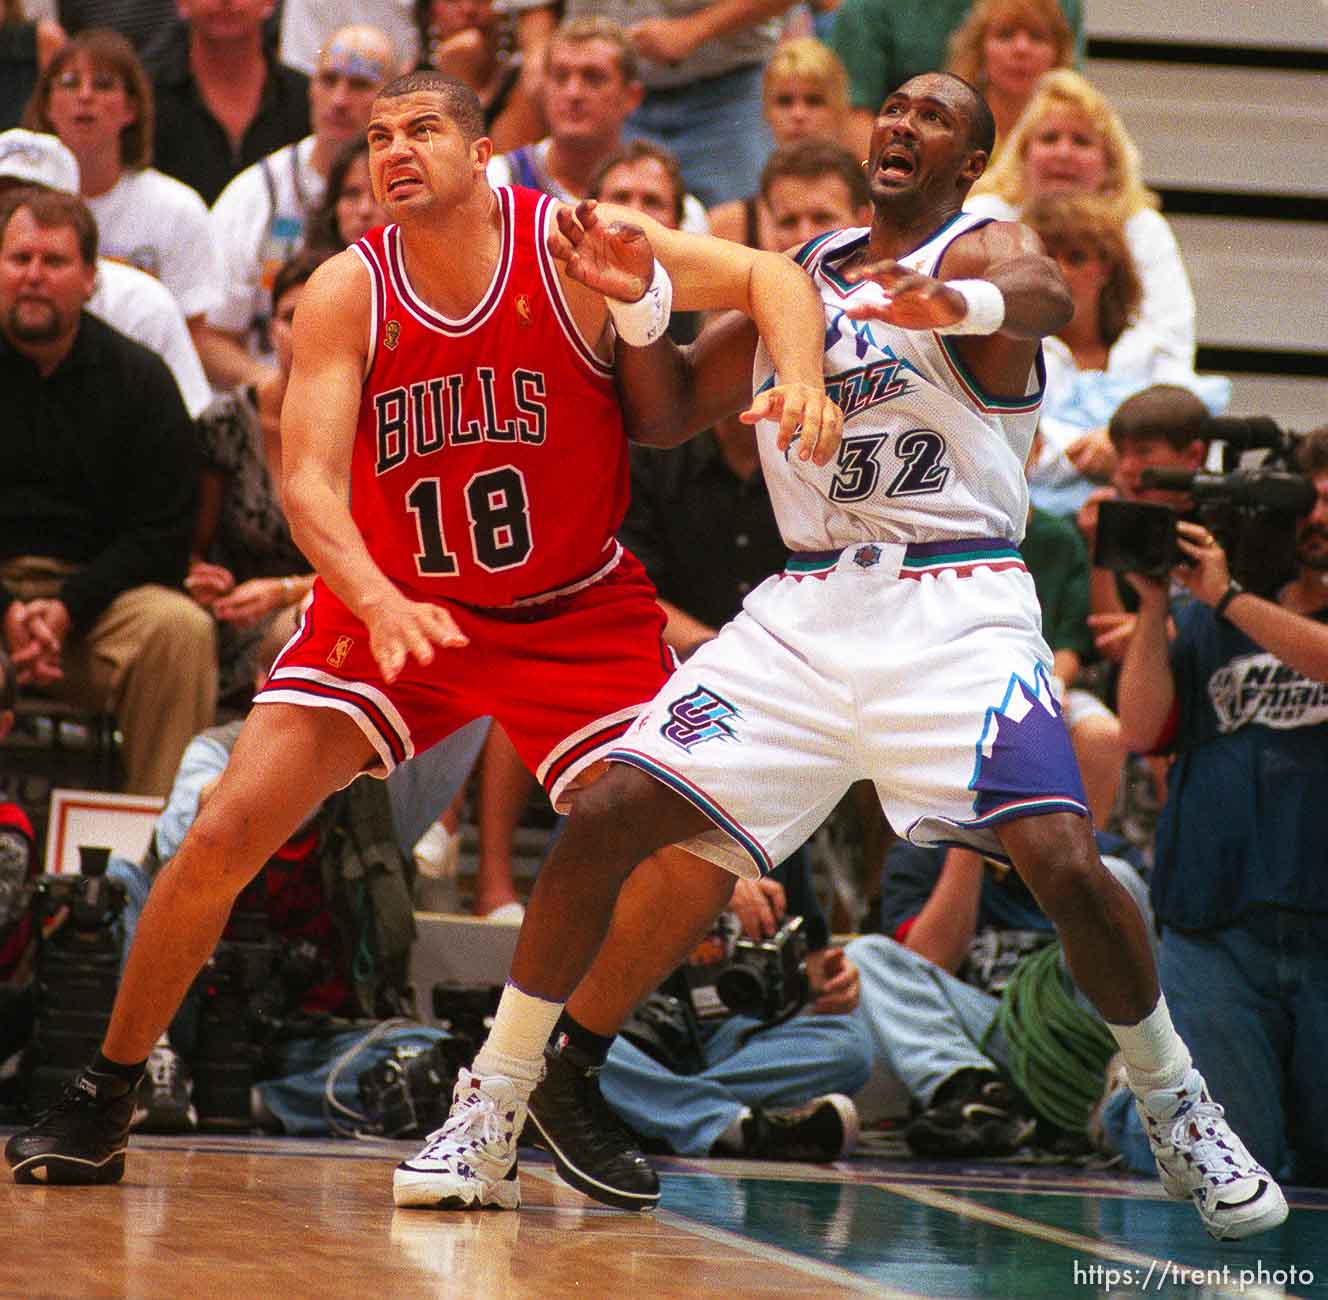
<point>822,1272</point>
<point>1060,1236</point>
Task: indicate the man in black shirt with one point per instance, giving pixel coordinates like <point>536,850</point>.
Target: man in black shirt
<point>222,99</point>
<point>98,489</point>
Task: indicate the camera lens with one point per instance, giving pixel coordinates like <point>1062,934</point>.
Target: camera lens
<point>741,990</point>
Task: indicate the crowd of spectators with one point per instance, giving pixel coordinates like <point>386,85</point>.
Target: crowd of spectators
<point>171,174</point>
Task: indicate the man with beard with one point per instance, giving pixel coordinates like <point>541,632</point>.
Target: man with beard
<point>98,484</point>
<point>1240,882</point>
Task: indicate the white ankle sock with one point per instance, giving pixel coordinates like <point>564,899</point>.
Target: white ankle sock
<point>1155,1054</point>
<point>515,1045</point>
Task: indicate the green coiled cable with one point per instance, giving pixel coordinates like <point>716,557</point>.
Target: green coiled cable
<point>1058,1051</point>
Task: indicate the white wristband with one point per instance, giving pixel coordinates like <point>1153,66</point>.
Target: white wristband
<point>641,322</point>
<point>985,311</point>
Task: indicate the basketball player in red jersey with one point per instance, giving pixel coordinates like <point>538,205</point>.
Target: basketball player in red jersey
<point>455,467</point>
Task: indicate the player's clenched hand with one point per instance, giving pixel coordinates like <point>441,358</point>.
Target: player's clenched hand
<point>399,628</point>
<point>913,301</point>
<point>612,257</point>
<point>804,412</point>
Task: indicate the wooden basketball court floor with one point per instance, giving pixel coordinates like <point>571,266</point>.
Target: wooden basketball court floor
<point>220,1216</point>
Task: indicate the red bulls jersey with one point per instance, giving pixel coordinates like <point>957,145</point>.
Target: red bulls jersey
<point>490,461</point>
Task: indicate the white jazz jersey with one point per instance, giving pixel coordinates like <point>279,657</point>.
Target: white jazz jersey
<point>927,454</point>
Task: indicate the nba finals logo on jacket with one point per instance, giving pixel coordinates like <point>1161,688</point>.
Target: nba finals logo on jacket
<point>702,715</point>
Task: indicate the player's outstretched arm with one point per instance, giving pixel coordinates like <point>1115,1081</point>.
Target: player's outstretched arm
<point>604,249</point>
<point>1034,298</point>
<point>318,420</point>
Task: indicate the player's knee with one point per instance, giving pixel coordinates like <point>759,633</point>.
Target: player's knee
<point>615,821</point>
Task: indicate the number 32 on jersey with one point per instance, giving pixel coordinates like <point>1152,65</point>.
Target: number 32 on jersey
<point>920,469</point>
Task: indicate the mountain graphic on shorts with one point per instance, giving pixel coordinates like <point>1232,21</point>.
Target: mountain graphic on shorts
<point>1024,756</point>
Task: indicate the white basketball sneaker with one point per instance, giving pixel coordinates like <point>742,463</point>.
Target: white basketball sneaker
<point>1200,1158</point>
<point>469,1163</point>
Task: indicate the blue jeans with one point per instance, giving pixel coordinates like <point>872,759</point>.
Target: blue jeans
<point>1251,1002</point>
<point>785,1066</point>
<point>298,1093</point>
<point>927,1024</point>
<point>715,129</point>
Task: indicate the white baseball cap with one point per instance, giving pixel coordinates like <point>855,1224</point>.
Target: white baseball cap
<point>36,158</point>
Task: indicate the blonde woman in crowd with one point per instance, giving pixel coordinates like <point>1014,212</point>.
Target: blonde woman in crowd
<point>804,94</point>
<point>1070,140</point>
<point>1004,46</point>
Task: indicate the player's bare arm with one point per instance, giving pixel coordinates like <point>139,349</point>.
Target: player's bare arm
<point>1005,254</point>
<point>318,418</point>
<point>602,250</point>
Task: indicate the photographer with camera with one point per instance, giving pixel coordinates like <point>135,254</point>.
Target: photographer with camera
<point>767,1082</point>
<point>1240,884</point>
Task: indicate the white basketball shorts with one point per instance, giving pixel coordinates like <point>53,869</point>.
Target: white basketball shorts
<point>920,667</point>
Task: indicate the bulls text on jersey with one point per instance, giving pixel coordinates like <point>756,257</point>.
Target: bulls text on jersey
<point>435,413</point>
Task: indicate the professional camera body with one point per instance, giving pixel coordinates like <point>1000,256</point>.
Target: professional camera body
<point>77,973</point>
<point>767,978</point>
<point>409,1093</point>
<point>1252,511</point>
<point>764,979</point>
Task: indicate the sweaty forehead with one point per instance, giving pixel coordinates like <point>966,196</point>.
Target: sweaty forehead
<point>944,90</point>
<point>400,108</point>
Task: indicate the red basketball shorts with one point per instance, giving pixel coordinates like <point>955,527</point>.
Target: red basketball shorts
<point>565,679</point>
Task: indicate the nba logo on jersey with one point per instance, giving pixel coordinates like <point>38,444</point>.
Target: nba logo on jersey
<point>523,312</point>
<point>391,333</point>
<point>337,655</point>
<point>702,715</point>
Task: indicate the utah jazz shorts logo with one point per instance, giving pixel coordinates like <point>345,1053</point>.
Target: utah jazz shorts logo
<point>702,715</point>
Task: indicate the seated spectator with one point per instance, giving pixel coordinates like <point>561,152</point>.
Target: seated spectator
<point>245,568</point>
<point>882,45</point>
<point>810,187</point>
<point>259,219</point>
<point>961,936</point>
<point>348,208</point>
<point>1003,47</point>
<point>590,88</point>
<point>134,302</point>
<point>26,47</point>
<point>91,558</point>
<point>1101,356</point>
<point>474,42</point>
<point>312,895</point>
<point>804,94</point>
<point>223,101</point>
<point>702,64</point>
<point>96,97</point>
<point>762,1090</point>
<point>1070,140</point>
<point>1240,881</point>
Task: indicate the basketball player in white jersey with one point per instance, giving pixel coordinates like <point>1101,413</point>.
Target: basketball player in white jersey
<point>902,643</point>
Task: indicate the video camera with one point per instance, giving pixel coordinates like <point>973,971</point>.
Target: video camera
<point>1252,511</point>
